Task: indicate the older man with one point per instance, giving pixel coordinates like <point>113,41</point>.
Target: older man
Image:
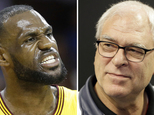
<point>30,63</point>
<point>124,63</point>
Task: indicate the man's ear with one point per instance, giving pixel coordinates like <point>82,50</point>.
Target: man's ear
<point>3,57</point>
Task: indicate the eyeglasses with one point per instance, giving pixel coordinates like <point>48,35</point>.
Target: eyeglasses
<point>132,53</point>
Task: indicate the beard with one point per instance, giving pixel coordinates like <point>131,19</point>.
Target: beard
<point>33,76</point>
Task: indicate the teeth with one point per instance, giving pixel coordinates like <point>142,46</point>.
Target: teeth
<point>49,59</point>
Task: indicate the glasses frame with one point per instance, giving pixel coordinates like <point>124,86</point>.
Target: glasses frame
<point>124,48</point>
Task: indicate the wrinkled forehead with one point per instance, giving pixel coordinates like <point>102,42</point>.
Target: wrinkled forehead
<point>128,21</point>
<point>133,15</point>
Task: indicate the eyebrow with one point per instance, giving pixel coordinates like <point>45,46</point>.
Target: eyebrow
<point>106,37</point>
<point>49,28</point>
<point>35,33</point>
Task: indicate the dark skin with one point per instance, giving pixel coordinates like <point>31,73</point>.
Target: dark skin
<point>28,34</point>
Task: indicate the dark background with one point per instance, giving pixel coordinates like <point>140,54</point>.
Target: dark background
<point>61,15</point>
<point>89,13</point>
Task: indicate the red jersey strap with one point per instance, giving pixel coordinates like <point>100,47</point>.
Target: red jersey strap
<point>3,107</point>
<point>60,100</point>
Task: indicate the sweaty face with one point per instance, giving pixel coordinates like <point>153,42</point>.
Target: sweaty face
<point>33,50</point>
<point>118,77</point>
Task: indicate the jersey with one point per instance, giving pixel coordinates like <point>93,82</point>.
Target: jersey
<point>66,103</point>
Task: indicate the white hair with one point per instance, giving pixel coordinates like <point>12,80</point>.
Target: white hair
<point>123,7</point>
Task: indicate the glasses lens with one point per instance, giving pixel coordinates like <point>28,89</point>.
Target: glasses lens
<point>134,54</point>
<point>107,49</point>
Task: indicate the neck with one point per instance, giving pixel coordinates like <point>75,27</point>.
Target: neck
<point>31,97</point>
<point>124,106</point>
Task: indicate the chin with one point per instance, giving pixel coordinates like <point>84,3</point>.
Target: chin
<point>116,91</point>
<point>53,72</point>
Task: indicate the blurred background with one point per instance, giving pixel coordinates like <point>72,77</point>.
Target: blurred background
<point>89,13</point>
<point>61,15</point>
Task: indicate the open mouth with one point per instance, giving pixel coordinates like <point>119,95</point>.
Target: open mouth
<point>50,62</point>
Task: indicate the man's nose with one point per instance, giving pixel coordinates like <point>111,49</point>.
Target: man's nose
<point>46,43</point>
<point>120,59</point>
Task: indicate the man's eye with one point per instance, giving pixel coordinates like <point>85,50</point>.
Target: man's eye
<point>30,40</point>
<point>108,45</point>
<point>49,34</point>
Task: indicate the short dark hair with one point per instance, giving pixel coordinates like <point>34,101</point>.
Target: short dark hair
<point>8,12</point>
<point>13,10</point>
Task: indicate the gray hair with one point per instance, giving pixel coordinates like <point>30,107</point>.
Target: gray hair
<point>121,7</point>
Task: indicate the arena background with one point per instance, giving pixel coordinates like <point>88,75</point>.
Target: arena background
<point>89,13</point>
<point>61,15</point>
